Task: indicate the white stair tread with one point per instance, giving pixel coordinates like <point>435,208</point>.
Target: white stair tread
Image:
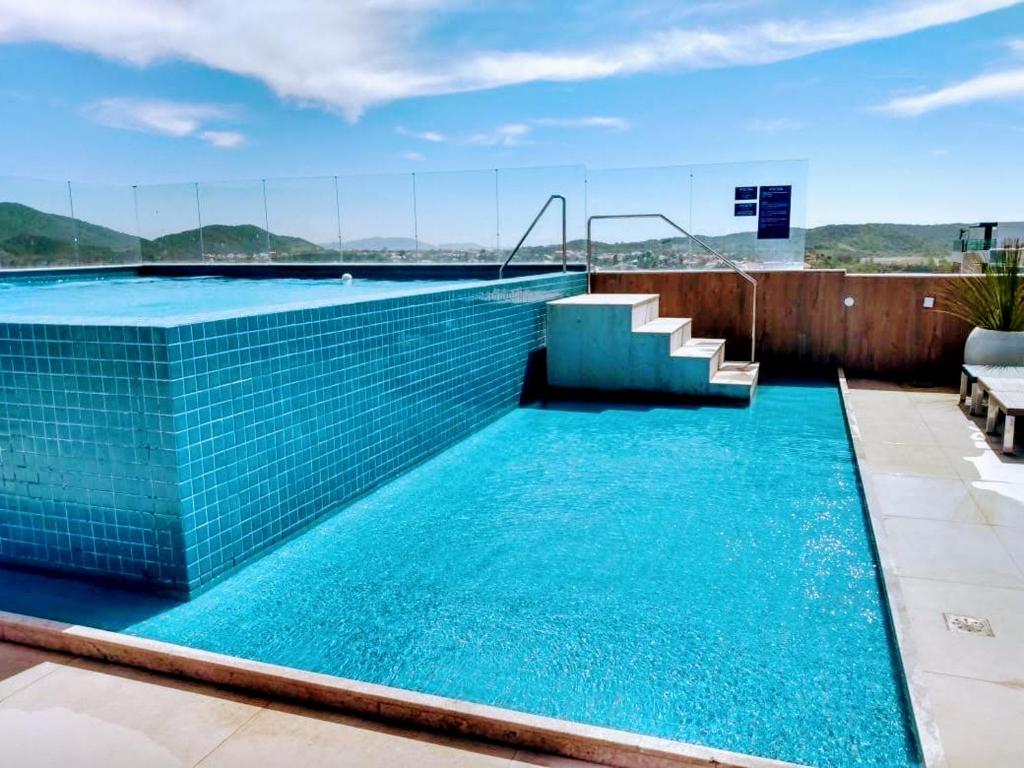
<point>607,299</point>
<point>699,348</point>
<point>663,325</point>
<point>741,374</point>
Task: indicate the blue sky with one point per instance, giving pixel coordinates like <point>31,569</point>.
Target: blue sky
<point>907,110</point>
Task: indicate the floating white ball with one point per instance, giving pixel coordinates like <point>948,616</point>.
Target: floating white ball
<point>346,278</point>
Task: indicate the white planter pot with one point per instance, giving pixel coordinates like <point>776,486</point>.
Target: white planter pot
<point>985,347</point>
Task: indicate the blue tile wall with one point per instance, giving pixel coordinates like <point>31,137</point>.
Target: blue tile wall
<point>88,461</point>
<point>172,455</point>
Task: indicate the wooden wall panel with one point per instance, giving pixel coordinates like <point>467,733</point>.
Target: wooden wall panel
<point>803,323</point>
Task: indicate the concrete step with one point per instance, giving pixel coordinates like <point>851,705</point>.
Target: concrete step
<point>735,380</point>
<point>677,329</point>
<point>637,309</point>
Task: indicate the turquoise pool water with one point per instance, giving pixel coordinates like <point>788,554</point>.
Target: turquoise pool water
<point>143,299</point>
<point>702,574</point>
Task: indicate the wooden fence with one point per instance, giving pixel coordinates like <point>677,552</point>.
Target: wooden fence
<point>805,325</point>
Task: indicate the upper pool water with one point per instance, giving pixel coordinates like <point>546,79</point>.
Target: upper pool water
<point>702,574</point>
<point>145,299</point>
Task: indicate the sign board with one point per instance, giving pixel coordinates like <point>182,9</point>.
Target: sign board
<point>746,193</point>
<point>744,209</point>
<point>775,205</point>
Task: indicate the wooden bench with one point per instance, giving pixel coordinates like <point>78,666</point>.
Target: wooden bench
<point>1006,396</point>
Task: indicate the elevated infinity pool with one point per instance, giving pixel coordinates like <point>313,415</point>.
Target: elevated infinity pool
<point>163,430</point>
<point>703,574</point>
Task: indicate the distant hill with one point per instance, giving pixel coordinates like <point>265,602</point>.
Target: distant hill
<point>225,240</point>
<point>29,237</point>
<point>385,244</point>
<point>32,237</point>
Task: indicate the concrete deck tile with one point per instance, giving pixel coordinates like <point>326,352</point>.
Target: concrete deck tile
<point>999,658</point>
<point>936,498</point>
<point>20,666</point>
<point>1013,540</point>
<point>106,720</point>
<point>894,459</point>
<point>949,551</point>
<point>1000,503</point>
<point>285,739</point>
<point>980,722</point>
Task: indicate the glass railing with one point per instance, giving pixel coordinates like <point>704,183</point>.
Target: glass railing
<point>966,245</point>
<point>463,217</point>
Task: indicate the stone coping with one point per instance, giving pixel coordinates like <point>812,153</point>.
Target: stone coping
<point>923,721</point>
<point>425,711</point>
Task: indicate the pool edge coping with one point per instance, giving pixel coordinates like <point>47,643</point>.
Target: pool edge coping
<point>565,738</point>
<point>925,727</point>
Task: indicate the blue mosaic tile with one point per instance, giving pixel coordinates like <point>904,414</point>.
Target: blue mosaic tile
<point>171,455</point>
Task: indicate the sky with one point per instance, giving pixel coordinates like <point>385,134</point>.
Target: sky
<point>904,110</point>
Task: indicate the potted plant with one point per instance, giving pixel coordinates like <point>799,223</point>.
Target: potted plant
<point>994,304</point>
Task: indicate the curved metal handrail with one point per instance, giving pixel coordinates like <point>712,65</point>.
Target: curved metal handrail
<point>729,262</point>
<point>529,229</point>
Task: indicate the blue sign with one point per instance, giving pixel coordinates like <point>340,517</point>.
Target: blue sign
<point>775,205</point>
<point>746,193</point>
<point>744,209</point>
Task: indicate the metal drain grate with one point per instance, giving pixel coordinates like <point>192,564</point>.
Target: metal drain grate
<point>968,625</point>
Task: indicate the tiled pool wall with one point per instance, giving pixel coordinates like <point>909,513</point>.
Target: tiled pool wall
<point>171,455</point>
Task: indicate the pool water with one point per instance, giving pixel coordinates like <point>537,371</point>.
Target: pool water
<point>703,574</point>
<point>142,299</point>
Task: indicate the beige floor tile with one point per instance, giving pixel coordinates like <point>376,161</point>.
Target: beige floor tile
<point>937,498</point>
<point>20,666</point>
<point>277,738</point>
<point>900,432</point>
<point>985,463</point>
<point>107,720</point>
<point>979,723</point>
<point>960,552</point>
<point>999,658</point>
<point>1013,540</point>
<point>917,460</point>
<point>1000,503</point>
<point>524,759</point>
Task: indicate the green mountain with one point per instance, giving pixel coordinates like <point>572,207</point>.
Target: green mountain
<point>29,237</point>
<point>225,240</point>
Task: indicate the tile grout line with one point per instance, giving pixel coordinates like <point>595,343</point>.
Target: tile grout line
<point>222,742</point>
<point>28,685</point>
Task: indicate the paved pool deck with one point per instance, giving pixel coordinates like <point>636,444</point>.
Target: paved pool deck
<point>950,507</point>
<point>58,710</point>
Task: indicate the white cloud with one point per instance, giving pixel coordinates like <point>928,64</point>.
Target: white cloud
<point>611,123</point>
<point>431,136</point>
<point>168,118</point>
<point>223,139</point>
<point>1016,46</point>
<point>414,157</point>
<point>993,86</point>
<point>774,124</point>
<point>507,135</point>
<point>355,54</point>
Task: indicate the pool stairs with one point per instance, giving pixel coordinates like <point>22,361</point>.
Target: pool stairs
<point>618,342</point>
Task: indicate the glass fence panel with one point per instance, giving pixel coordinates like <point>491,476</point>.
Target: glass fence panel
<point>107,227</point>
<point>522,192</point>
<point>36,228</point>
<point>378,218</point>
<point>169,222</point>
<point>754,213</point>
<point>639,243</point>
<point>457,216</point>
<point>304,219</point>
<point>234,222</point>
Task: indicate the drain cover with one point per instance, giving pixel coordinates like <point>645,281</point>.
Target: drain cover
<point>968,624</point>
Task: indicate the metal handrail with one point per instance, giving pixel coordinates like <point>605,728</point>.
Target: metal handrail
<point>729,262</point>
<point>529,229</point>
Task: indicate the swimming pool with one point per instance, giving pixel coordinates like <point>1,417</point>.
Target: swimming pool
<point>168,447</point>
<point>175,300</point>
<point>704,574</point>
